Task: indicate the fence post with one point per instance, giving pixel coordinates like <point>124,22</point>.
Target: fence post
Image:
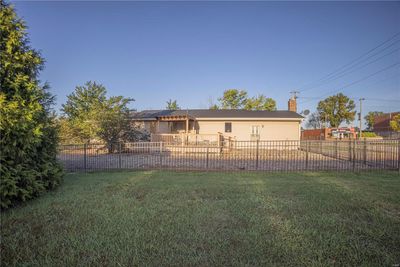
<point>349,144</point>
<point>320,147</point>
<point>398,155</point>
<point>161,148</point>
<point>354,154</point>
<point>365,152</point>
<point>336,149</point>
<point>307,149</point>
<point>119,155</point>
<point>84,155</point>
<point>257,148</point>
<point>207,158</point>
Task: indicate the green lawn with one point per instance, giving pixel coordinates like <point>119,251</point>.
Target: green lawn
<point>210,219</point>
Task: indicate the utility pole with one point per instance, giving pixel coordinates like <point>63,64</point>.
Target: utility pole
<point>360,114</point>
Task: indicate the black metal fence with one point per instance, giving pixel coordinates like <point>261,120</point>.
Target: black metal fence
<point>307,155</point>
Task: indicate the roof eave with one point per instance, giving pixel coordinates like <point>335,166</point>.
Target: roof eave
<point>249,119</point>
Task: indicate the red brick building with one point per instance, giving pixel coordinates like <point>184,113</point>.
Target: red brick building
<point>329,133</point>
<point>382,124</point>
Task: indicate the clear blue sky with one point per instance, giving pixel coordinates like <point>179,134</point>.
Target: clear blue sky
<point>191,51</point>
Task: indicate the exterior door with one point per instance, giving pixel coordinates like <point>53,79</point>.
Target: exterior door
<point>255,132</point>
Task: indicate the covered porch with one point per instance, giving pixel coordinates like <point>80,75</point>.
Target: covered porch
<point>176,124</point>
<point>183,130</point>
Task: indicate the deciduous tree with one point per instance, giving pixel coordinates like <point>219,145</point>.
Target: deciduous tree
<point>370,119</point>
<point>395,123</point>
<point>314,121</point>
<point>84,110</point>
<point>115,125</point>
<point>172,105</point>
<point>92,116</point>
<point>260,102</point>
<point>336,109</point>
<point>233,99</point>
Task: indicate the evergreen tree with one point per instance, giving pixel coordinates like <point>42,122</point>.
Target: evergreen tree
<point>28,133</point>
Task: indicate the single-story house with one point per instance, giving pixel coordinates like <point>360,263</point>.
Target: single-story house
<point>239,125</point>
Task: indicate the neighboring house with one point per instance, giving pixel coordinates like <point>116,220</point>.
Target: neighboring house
<point>382,125</point>
<point>240,125</point>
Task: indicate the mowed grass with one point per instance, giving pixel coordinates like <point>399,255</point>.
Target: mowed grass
<point>155,218</point>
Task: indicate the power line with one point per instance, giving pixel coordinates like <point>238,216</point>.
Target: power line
<point>357,81</point>
<point>397,75</point>
<point>382,106</point>
<point>350,70</point>
<point>384,100</point>
<point>352,62</point>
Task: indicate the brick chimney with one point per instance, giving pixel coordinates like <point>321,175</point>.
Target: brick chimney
<point>292,105</point>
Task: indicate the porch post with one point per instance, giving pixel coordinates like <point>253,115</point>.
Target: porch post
<point>187,125</point>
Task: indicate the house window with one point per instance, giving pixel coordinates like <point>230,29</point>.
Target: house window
<point>228,127</point>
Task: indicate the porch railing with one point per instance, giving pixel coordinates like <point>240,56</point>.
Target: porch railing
<point>189,139</point>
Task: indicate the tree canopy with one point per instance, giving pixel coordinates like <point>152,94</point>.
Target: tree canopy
<point>172,105</point>
<point>370,119</point>
<point>395,123</point>
<point>314,121</point>
<point>336,109</point>
<point>238,99</point>
<point>260,102</point>
<point>84,110</point>
<point>233,99</point>
<point>28,133</point>
<point>92,116</point>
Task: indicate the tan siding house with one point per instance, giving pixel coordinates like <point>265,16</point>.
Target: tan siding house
<point>240,125</point>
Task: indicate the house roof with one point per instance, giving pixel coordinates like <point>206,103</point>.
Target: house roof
<point>215,114</point>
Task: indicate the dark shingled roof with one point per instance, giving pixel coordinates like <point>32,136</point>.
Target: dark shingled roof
<point>220,113</point>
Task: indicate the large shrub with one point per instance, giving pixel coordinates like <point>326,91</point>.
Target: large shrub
<point>90,116</point>
<point>28,135</point>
